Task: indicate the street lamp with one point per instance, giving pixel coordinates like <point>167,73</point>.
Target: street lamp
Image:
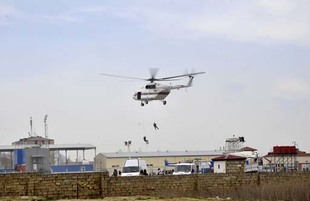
<point>128,143</point>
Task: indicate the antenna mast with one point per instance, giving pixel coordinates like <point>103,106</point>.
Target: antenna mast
<point>30,127</point>
<point>46,130</point>
<point>45,126</point>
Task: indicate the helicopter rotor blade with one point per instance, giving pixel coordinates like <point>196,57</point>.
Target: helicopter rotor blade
<point>119,76</point>
<point>153,72</point>
<point>177,76</point>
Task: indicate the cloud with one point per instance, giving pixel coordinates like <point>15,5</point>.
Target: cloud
<point>290,89</point>
<point>61,19</point>
<point>7,13</point>
<point>261,21</point>
<point>254,21</point>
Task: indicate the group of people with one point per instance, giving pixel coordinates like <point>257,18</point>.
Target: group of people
<point>164,171</point>
<point>143,172</point>
<point>115,173</point>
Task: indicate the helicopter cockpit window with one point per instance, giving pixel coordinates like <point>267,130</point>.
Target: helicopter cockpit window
<point>153,86</point>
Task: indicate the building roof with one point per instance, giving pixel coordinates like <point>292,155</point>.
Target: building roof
<point>228,158</point>
<point>52,147</point>
<point>7,148</point>
<point>71,147</point>
<point>299,154</point>
<point>302,153</point>
<point>248,149</point>
<point>161,154</point>
<point>32,138</point>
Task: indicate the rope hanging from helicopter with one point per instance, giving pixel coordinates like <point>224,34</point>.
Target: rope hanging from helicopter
<point>154,120</point>
<point>142,122</point>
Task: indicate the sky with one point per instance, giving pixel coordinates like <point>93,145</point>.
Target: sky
<point>255,55</point>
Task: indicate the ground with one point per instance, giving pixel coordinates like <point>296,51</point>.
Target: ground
<point>127,198</point>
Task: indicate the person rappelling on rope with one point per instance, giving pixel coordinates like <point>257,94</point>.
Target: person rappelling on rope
<point>155,126</point>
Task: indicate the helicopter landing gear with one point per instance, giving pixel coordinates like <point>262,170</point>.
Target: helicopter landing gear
<point>164,102</point>
<point>144,102</point>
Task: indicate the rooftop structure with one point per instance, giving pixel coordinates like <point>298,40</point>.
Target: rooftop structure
<point>33,140</point>
<point>234,144</point>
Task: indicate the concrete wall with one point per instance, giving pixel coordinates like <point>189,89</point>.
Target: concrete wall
<point>37,159</point>
<point>98,185</point>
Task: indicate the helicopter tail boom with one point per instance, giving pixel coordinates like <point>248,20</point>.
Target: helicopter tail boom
<point>189,84</point>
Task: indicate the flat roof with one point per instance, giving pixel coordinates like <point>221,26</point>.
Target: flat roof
<point>7,148</point>
<point>71,147</point>
<point>162,154</point>
<point>51,147</point>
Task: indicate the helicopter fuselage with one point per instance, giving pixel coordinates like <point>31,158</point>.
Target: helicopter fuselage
<point>153,91</point>
<point>157,91</point>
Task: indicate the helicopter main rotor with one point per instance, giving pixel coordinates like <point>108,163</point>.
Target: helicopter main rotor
<point>152,79</point>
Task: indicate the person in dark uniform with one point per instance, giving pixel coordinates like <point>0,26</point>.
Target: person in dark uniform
<point>155,126</point>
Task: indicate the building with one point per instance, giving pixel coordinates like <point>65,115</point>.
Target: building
<point>229,164</point>
<point>38,154</point>
<point>286,158</point>
<point>164,160</point>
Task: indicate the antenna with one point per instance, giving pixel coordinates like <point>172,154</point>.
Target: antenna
<point>30,134</point>
<point>46,130</point>
<point>45,126</point>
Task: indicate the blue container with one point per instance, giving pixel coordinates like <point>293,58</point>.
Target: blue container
<point>19,156</point>
<point>72,168</point>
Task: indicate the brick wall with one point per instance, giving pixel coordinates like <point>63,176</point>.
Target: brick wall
<point>97,185</point>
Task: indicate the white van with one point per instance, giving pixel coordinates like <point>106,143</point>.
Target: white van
<point>184,168</point>
<point>132,167</point>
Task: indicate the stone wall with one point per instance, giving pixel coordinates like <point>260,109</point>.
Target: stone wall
<point>98,185</point>
<point>235,166</point>
<point>52,186</point>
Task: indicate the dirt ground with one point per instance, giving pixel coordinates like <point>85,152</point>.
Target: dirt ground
<point>161,199</point>
<point>128,198</point>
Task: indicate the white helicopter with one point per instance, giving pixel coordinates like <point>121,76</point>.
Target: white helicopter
<point>157,91</point>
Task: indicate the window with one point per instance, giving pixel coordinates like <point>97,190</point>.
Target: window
<point>131,169</point>
<point>152,86</point>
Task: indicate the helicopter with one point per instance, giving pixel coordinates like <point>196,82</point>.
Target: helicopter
<point>154,90</point>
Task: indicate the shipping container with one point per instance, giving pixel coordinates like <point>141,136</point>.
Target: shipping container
<point>19,156</point>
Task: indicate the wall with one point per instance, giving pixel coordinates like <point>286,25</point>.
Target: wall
<point>52,186</point>
<point>219,166</point>
<point>37,159</point>
<point>235,166</point>
<point>98,184</point>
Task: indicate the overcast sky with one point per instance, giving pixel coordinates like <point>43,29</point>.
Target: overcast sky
<point>256,56</point>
